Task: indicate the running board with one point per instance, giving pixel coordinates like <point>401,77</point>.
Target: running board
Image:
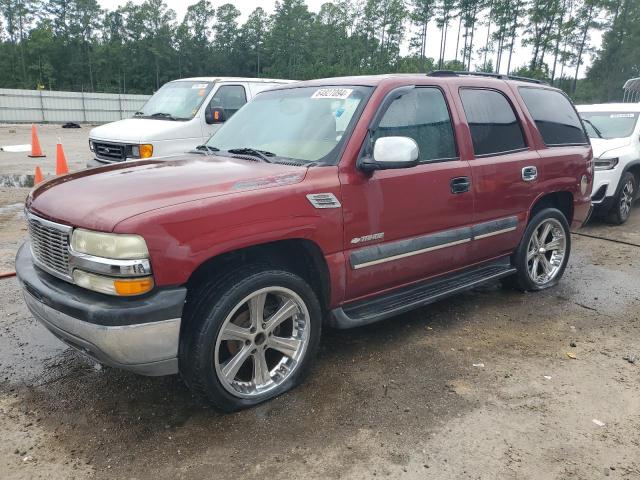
<point>415,296</point>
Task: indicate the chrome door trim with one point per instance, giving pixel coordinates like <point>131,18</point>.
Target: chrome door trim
<point>399,249</point>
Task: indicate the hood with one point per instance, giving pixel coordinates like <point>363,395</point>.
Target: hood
<point>603,145</point>
<point>140,130</point>
<point>100,198</point>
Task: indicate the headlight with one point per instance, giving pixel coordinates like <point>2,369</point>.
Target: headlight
<point>606,163</point>
<point>142,151</point>
<point>123,287</point>
<point>109,245</point>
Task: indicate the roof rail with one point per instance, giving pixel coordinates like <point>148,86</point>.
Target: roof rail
<point>454,73</point>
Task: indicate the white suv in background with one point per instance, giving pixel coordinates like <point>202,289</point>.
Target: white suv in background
<point>615,136</point>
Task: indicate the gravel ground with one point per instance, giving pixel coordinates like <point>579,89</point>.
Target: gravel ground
<point>398,399</point>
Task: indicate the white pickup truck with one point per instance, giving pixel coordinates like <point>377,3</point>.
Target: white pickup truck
<point>615,136</point>
<point>178,117</point>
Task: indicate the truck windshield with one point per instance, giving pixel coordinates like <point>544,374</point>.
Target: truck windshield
<point>609,124</point>
<point>306,124</point>
<point>178,100</point>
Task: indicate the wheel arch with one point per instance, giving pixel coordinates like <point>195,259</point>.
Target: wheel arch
<point>562,200</point>
<point>300,256</point>
<point>634,169</point>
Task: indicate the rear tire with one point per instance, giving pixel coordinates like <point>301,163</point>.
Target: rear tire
<point>249,337</point>
<point>621,208</point>
<point>543,253</point>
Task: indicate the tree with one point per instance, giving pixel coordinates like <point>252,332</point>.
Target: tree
<point>252,38</point>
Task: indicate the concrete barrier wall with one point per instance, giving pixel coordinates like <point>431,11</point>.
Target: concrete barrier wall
<point>43,106</point>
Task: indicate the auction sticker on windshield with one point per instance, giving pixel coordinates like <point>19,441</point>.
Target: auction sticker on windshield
<point>333,93</point>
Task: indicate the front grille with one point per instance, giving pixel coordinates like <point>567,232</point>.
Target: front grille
<point>111,152</point>
<point>50,245</point>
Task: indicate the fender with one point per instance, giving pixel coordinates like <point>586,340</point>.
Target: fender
<point>182,237</point>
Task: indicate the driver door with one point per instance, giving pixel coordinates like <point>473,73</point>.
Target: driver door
<point>405,225</point>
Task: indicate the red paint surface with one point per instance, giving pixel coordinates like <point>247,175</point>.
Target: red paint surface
<point>196,208</point>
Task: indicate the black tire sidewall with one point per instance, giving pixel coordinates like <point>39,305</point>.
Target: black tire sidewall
<point>615,215</point>
<point>196,361</point>
<point>520,258</point>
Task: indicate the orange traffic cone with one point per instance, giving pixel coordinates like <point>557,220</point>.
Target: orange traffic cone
<point>36,151</point>
<point>61,161</point>
<point>37,178</point>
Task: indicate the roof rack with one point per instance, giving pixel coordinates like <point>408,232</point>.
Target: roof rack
<point>500,76</point>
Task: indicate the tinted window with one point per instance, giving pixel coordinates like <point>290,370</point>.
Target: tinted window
<point>554,116</point>
<point>492,121</point>
<point>421,114</point>
<point>229,97</point>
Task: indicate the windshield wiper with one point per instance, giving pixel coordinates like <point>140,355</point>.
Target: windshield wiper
<point>207,149</point>
<point>168,116</point>
<point>595,129</point>
<point>138,114</point>
<point>261,154</point>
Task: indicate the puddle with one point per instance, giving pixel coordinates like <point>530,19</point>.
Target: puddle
<point>17,181</point>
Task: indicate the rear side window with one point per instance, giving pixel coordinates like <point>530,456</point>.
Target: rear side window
<point>421,114</point>
<point>229,97</point>
<point>554,115</point>
<point>493,123</point>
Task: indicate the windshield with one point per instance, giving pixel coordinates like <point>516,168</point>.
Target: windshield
<point>306,124</point>
<point>176,101</point>
<point>609,124</point>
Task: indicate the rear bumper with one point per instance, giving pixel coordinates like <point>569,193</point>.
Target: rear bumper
<point>136,334</point>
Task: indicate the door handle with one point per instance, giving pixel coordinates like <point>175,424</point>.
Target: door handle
<point>460,184</point>
<point>529,174</point>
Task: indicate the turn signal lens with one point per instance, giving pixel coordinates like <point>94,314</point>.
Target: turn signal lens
<point>112,286</point>
<point>146,150</point>
<point>136,286</point>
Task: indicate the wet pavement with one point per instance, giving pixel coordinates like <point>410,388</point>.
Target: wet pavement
<point>399,399</point>
<point>478,386</point>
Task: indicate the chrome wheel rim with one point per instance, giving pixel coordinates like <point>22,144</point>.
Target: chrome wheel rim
<point>262,342</point>
<point>626,199</point>
<point>546,251</point>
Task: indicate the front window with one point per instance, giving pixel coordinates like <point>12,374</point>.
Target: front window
<point>307,124</point>
<point>609,124</point>
<point>179,100</point>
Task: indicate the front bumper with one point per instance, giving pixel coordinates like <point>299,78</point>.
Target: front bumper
<point>138,334</point>
<point>96,162</point>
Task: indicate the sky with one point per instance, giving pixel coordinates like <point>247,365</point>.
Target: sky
<point>521,55</point>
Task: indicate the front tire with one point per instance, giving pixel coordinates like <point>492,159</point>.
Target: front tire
<point>249,337</point>
<point>543,253</point>
<point>621,208</point>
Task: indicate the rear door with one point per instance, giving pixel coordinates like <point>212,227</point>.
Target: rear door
<point>504,170</point>
<point>405,225</point>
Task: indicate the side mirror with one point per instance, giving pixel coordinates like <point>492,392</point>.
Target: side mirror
<point>392,153</point>
<point>214,115</point>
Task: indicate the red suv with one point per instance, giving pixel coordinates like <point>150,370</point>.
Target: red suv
<point>335,202</point>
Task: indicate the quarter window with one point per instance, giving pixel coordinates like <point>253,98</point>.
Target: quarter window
<point>421,114</point>
<point>493,123</point>
<point>229,97</point>
<point>554,115</point>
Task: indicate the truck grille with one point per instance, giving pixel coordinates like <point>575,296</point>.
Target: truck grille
<point>111,152</point>
<point>50,245</point>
